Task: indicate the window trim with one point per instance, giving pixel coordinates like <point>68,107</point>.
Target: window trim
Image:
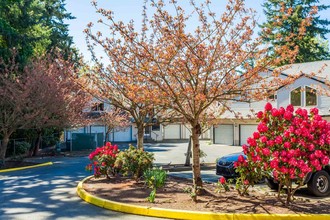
<point>306,96</point>
<point>301,97</point>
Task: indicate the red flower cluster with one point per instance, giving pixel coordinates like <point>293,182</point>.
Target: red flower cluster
<point>103,159</point>
<point>107,149</point>
<point>288,144</point>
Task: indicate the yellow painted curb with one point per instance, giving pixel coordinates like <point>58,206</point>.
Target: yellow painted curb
<point>27,167</point>
<point>185,214</point>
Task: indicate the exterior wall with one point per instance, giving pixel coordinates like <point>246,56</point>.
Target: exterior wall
<point>283,94</point>
<point>157,135</point>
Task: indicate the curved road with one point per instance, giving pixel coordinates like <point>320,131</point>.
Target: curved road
<point>50,193</point>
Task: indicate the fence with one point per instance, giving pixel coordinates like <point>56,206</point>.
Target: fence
<point>20,146</point>
<point>86,141</point>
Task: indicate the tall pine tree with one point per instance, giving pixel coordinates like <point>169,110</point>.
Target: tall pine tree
<point>33,27</point>
<point>297,23</point>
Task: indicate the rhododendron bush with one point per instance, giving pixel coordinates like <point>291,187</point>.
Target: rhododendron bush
<point>103,160</point>
<point>287,146</point>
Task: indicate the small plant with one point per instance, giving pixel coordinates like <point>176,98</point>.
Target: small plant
<point>103,160</point>
<point>187,189</point>
<point>222,185</point>
<point>155,178</point>
<point>134,161</point>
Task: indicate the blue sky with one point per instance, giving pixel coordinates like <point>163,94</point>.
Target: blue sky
<point>126,10</point>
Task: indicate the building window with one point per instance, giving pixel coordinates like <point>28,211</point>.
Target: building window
<point>311,97</point>
<point>295,97</point>
<point>97,107</point>
<point>147,131</point>
<point>156,127</point>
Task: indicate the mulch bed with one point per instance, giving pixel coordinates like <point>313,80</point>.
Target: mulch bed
<point>175,195</point>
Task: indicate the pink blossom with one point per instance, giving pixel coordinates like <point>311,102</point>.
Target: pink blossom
<point>262,127</point>
<point>278,140</point>
<point>241,159</point>
<point>287,115</point>
<point>287,145</point>
<point>256,135</point>
<point>222,180</point>
<point>260,115</point>
<point>275,112</point>
<point>290,108</point>
<point>266,152</point>
<point>263,139</point>
<point>268,106</point>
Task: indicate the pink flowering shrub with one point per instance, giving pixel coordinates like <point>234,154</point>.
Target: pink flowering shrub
<point>287,145</point>
<point>222,185</point>
<point>103,160</point>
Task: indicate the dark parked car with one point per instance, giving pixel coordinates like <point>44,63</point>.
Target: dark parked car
<point>225,165</point>
<point>318,183</point>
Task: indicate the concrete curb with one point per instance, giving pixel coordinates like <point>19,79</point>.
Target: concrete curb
<point>184,214</point>
<point>27,167</point>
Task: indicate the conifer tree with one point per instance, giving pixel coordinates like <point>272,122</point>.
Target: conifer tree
<point>284,19</point>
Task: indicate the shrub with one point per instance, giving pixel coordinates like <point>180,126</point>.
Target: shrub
<point>22,147</point>
<point>134,161</point>
<point>287,146</point>
<point>222,185</point>
<point>103,160</point>
<point>155,178</point>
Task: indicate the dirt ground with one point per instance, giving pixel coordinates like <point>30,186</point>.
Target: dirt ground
<point>175,195</point>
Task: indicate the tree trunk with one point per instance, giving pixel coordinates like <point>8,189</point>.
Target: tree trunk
<point>140,136</point>
<point>106,139</point>
<point>35,149</point>
<point>3,149</point>
<point>196,167</point>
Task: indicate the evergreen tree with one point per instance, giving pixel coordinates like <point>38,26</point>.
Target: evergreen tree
<point>33,27</point>
<point>291,18</point>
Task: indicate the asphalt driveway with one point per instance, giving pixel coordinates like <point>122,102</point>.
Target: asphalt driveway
<point>50,192</point>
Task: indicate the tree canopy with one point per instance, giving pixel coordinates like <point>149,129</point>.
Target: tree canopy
<point>284,21</point>
<point>33,27</point>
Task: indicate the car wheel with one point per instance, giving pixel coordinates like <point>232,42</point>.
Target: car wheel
<point>319,184</point>
<point>271,184</point>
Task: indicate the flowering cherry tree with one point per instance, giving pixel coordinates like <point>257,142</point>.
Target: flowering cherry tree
<point>187,71</point>
<point>287,145</point>
<point>38,96</point>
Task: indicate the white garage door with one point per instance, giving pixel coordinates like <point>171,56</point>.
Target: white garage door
<point>246,131</point>
<point>172,132</point>
<point>124,135</point>
<point>224,134</point>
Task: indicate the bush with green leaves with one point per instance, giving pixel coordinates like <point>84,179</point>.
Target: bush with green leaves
<point>22,147</point>
<point>134,161</point>
<point>154,178</point>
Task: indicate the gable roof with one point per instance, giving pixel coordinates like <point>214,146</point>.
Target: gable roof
<point>318,70</point>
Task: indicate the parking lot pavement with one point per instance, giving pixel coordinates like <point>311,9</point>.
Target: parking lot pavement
<point>174,153</point>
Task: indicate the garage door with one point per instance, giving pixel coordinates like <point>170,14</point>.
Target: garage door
<point>124,135</point>
<point>246,131</point>
<point>224,134</point>
<point>172,132</point>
